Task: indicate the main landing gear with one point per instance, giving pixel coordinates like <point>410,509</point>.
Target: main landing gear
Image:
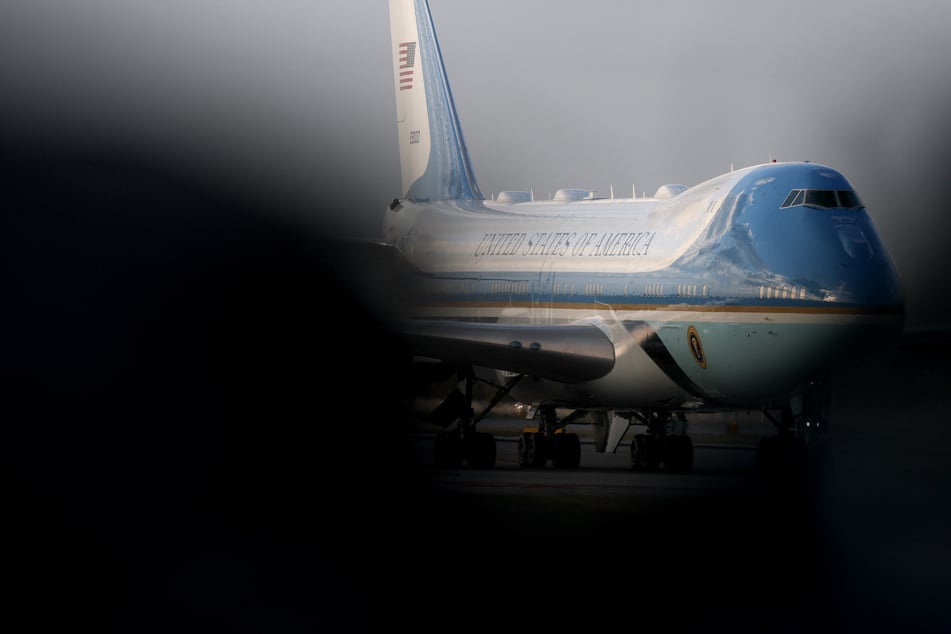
<point>798,449</point>
<point>477,449</point>
<point>464,443</point>
<point>665,442</point>
<point>536,445</point>
<point>549,440</point>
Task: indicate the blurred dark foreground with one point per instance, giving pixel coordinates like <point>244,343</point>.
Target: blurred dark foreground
<point>197,429</point>
<point>203,431</point>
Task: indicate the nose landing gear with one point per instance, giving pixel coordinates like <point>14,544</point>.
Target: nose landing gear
<point>799,448</point>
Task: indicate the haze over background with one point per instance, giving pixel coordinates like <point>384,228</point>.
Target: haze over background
<point>292,101</point>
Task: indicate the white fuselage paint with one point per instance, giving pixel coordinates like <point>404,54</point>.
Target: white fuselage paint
<point>720,294</point>
<point>752,355</point>
<point>592,236</point>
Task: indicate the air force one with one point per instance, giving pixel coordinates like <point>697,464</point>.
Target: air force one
<point>739,293</point>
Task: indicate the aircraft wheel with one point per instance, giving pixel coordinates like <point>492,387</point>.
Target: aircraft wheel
<point>537,450</point>
<point>566,452</point>
<point>523,442</point>
<point>481,451</point>
<point>637,462</point>
<point>447,451</point>
<point>678,453</point>
<point>769,455</point>
<point>779,456</point>
<point>649,451</point>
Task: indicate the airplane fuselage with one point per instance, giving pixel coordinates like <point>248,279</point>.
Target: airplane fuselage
<point>735,292</point>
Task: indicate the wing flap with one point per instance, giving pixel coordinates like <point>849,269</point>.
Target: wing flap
<point>569,353</point>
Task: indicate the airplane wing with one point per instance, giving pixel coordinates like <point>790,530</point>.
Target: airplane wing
<point>569,353</point>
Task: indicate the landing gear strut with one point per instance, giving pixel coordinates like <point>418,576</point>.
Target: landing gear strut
<point>794,452</point>
<point>464,443</point>
<point>549,441</point>
<point>665,442</point>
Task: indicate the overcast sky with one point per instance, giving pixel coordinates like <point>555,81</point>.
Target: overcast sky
<point>294,98</point>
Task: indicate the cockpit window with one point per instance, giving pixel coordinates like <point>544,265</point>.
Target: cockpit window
<point>823,198</point>
<point>849,199</point>
<point>794,198</point>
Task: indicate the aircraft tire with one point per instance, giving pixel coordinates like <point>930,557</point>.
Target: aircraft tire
<point>481,451</point>
<point>782,457</point>
<point>566,452</point>
<point>649,451</point>
<point>537,450</point>
<point>447,451</point>
<point>678,453</point>
<point>523,441</point>
<point>636,462</point>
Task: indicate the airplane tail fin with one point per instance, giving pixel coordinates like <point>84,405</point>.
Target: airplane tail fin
<point>433,155</point>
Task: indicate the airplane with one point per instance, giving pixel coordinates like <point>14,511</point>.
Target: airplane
<point>742,292</point>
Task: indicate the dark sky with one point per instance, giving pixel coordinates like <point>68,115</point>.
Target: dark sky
<point>292,101</point>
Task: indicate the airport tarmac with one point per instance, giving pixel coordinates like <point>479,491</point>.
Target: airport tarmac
<point>725,454</point>
<point>683,549</point>
<point>248,516</point>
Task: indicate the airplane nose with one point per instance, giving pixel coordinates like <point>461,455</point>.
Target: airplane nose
<point>866,270</point>
<point>854,242</point>
<point>836,259</point>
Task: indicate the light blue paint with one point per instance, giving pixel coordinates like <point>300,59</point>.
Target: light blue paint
<point>755,243</point>
<point>821,257</point>
<point>449,174</point>
<point>763,363</point>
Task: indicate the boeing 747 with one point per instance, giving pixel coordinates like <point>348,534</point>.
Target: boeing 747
<point>739,293</point>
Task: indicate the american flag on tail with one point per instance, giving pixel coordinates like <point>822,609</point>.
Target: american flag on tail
<point>407,55</point>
